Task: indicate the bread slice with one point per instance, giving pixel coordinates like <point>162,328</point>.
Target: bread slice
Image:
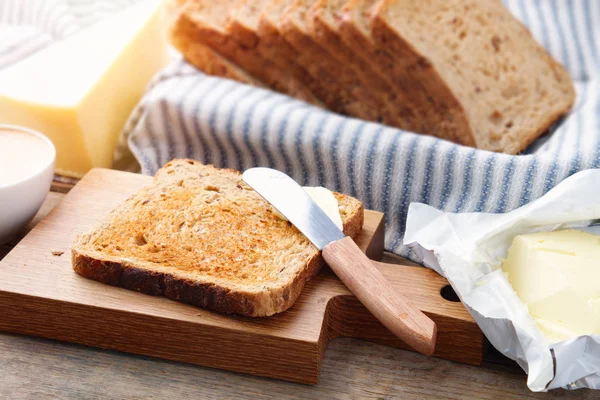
<point>243,24</point>
<point>269,23</point>
<point>209,19</point>
<point>269,31</point>
<point>479,62</point>
<point>243,21</point>
<point>322,21</point>
<point>345,93</point>
<point>200,235</point>
<point>423,113</point>
<point>184,37</point>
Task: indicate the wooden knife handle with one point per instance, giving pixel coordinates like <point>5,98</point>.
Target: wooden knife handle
<point>376,293</point>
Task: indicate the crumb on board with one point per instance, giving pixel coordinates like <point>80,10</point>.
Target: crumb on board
<point>57,253</point>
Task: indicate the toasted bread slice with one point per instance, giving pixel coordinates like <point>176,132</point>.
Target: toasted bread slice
<point>200,235</point>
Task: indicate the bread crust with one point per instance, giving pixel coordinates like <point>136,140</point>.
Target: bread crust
<point>197,293</point>
<point>324,32</point>
<point>407,66</point>
<point>472,114</point>
<point>198,290</point>
<point>273,47</point>
<point>346,95</point>
<point>212,33</point>
<point>183,36</point>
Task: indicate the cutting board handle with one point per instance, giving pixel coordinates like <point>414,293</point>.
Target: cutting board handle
<point>377,294</point>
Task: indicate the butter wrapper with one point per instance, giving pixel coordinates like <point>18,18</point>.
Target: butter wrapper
<point>468,248</point>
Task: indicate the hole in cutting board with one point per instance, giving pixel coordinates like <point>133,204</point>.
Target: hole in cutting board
<point>449,294</point>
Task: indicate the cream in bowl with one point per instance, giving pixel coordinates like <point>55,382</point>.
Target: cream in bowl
<point>26,170</point>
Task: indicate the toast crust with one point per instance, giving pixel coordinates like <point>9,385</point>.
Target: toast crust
<point>201,294</point>
<point>94,260</point>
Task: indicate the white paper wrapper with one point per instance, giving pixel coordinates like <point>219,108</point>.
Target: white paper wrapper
<point>466,249</point>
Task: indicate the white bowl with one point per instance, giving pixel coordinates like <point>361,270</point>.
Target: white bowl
<point>20,200</point>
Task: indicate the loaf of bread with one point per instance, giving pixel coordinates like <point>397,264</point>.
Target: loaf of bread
<point>466,71</point>
<point>200,235</point>
<point>323,21</point>
<point>243,23</point>
<point>209,19</point>
<point>318,80</point>
<point>203,57</point>
<point>345,94</point>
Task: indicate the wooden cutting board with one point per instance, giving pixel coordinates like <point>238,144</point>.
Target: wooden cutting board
<point>40,295</point>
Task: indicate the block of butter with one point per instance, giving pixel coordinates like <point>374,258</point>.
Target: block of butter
<point>81,90</point>
<point>557,275</point>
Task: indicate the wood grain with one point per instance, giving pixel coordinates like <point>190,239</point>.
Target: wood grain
<point>33,368</point>
<point>378,296</point>
<point>41,296</point>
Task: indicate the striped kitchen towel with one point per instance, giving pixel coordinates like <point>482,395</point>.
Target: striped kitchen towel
<point>188,114</point>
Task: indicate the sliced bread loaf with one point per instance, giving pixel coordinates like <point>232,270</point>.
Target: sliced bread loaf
<point>466,71</point>
<point>270,30</point>
<point>209,19</point>
<point>269,26</point>
<point>481,64</point>
<point>345,94</point>
<point>323,20</point>
<point>243,24</point>
<point>184,36</point>
<point>200,235</point>
<point>410,84</point>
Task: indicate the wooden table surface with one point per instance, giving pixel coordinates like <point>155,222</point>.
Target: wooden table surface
<point>32,368</point>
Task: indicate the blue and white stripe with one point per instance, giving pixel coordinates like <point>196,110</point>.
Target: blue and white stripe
<point>188,114</point>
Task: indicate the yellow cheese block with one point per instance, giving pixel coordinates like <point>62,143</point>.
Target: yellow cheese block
<point>80,91</point>
<point>557,275</point>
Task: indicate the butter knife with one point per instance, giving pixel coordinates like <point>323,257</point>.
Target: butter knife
<point>345,259</point>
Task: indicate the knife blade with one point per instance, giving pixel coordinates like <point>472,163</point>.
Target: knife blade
<point>345,258</point>
<point>288,197</point>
